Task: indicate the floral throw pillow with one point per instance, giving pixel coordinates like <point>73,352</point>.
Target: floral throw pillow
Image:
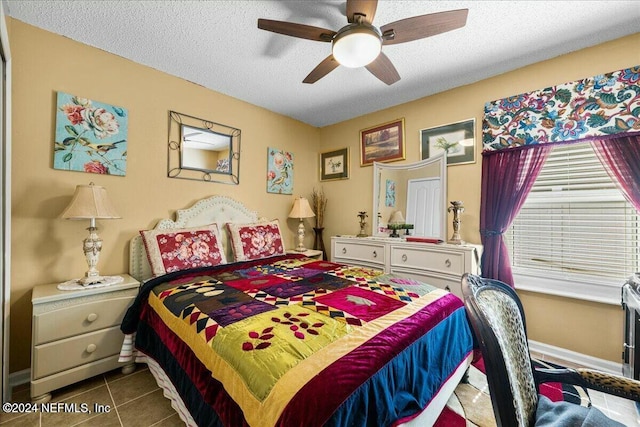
<point>255,241</point>
<point>180,249</point>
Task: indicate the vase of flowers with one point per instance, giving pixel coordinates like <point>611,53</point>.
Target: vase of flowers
<point>319,201</point>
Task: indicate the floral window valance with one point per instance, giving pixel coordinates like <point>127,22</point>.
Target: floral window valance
<point>603,105</point>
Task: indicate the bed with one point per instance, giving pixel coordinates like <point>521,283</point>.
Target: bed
<point>270,338</point>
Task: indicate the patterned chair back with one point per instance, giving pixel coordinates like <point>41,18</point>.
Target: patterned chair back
<point>497,318</point>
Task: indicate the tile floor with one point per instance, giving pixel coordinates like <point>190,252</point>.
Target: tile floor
<point>136,401</point>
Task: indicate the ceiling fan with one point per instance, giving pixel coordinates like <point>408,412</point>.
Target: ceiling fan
<point>359,43</point>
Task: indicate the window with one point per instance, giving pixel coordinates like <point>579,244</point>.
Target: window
<point>575,235</point>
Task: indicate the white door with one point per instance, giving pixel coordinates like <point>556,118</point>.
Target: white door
<point>424,207</point>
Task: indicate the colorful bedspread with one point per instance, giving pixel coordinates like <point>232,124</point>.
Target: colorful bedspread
<point>292,341</point>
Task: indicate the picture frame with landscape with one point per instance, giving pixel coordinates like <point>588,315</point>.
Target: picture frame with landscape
<point>382,143</point>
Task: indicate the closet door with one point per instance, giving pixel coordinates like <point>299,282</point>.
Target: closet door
<point>5,195</point>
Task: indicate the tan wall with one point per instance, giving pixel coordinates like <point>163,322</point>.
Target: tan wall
<point>47,249</point>
<point>589,328</point>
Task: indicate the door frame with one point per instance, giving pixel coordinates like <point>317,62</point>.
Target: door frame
<point>5,193</point>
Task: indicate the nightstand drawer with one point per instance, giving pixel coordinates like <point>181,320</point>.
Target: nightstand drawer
<point>79,319</point>
<point>71,352</point>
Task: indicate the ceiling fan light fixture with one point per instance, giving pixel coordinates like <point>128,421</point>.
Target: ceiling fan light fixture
<point>357,45</point>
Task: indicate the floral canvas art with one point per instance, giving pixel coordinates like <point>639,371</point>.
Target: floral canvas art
<point>90,136</point>
<point>279,171</point>
<point>390,193</point>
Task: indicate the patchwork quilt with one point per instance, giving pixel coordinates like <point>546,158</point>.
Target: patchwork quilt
<point>293,341</point>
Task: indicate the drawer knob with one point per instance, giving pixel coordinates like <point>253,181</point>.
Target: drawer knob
<point>91,348</point>
<point>92,317</point>
<point>375,254</point>
<point>344,251</point>
<point>447,263</point>
<point>404,257</point>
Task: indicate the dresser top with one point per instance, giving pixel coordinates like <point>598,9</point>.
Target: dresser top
<point>401,239</point>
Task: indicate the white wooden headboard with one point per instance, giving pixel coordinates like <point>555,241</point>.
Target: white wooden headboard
<point>218,209</point>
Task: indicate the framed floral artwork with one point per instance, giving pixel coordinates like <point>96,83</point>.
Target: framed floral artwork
<point>390,193</point>
<point>456,139</point>
<point>279,171</point>
<point>90,136</point>
<point>382,143</point>
<point>334,164</point>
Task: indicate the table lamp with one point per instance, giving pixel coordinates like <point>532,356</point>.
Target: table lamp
<point>301,210</point>
<point>90,202</point>
<point>395,223</point>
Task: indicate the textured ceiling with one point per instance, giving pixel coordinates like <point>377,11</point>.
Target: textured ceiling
<point>217,44</point>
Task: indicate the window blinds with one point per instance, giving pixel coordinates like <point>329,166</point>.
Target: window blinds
<point>575,222</point>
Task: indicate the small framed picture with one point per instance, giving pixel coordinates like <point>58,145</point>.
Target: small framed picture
<point>334,164</point>
<point>457,139</point>
<point>382,143</point>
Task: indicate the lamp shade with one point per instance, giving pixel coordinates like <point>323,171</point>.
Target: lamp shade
<point>397,218</point>
<point>90,202</point>
<point>357,45</point>
<point>301,209</point>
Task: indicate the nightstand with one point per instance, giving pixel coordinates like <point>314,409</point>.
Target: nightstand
<point>76,334</point>
<point>311,253</point>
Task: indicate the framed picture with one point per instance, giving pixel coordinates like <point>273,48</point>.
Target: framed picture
<point>91,136</point>
<point>279,171</point>
<point>456,139</point>
<point>382,143</point>
<point>334,164</point>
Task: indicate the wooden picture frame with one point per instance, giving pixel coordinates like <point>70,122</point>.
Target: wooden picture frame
<point>334,164</point>
<point>457,139</point>
<point>382,143</point>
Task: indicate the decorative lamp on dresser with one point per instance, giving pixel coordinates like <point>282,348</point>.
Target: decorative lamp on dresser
<point>440,265</point>
<point>76,333</point>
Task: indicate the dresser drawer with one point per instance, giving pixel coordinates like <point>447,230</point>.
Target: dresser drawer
<point>71,352</point>
<point>79,319</point>
<point>419,258</point>
<point>360,251</point>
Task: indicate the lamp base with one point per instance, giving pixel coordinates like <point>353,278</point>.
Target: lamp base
<point>300,247</point>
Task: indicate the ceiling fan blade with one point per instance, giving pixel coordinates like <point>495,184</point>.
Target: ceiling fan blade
<point>325,67</point>
<point>383,69</point>
<point>366,8</point>
<point>296,30</point>
<point>419,27</point>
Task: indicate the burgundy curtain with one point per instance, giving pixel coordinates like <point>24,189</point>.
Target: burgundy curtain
<point>620,157</point>
<point>507,178</point>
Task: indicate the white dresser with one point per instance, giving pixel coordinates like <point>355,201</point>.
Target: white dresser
<point>440,265</point>
<point>76,334</point>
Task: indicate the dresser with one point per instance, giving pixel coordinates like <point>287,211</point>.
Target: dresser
<point>440,265</point>
<point>76,334</point>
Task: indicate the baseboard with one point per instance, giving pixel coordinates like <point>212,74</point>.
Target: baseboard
<point>16,379</point>
<point>577,358</point>
<point>19,378</point>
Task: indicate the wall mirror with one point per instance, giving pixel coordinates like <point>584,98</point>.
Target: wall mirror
<point>203,150</point>
<point>418,191</point>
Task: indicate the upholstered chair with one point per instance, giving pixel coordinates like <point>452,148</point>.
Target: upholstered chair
<point>497,318</point>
